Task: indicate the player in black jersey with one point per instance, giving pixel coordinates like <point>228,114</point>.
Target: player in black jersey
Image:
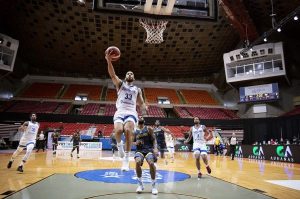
<point>159,132</point>
<point>146,148</point>
<point>76,142</point>
<point>113,143</point>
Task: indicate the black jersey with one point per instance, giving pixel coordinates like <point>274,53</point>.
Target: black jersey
<point>76,140</point>
<point>160,137</point>
<point>145,139</point>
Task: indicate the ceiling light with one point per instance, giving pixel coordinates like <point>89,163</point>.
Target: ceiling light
<point>278,29</point>
<point>265,39</point>
<point>296,18</point>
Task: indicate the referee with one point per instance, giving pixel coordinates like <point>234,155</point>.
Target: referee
<point>233,143</point>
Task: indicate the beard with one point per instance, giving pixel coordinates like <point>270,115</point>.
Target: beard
<point>129,80</point>
<point>196,122</point>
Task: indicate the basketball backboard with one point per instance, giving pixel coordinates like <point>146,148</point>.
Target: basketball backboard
<point>169,9</point>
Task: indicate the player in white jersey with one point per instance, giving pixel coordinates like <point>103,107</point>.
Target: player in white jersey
<point>125,117</point>
<point>170,142</point>
<point>200,135</point>
<point>28,139</point>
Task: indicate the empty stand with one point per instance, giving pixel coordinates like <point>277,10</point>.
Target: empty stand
<point>33,106</point>
<point>182,112</point>
<point>198,97</point>
<point>91,109</point>
<point>70,128</point>
<point>63,108</point>
<point>110,109</point>
<point>205,113</point>
<point>42,90</point>
<point>152,94</point>
<point>154,111</point>
<point>111,95</point>
<point>92,91</point>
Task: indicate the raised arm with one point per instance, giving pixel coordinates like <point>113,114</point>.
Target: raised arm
<point>111,71</point>
<point>190,136</point>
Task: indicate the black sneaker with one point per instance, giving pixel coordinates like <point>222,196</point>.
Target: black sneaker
<point>9,164</point>
<point>20,168</point>
<point>199,175</point>
<point>208,169</point>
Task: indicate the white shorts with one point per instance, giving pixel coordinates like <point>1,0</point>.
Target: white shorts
<point>25,143</point>
<point>200,148</point>
<point>171,149</point>
<point>124,118</point>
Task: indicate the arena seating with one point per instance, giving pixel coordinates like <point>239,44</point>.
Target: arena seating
<point>182,112</point>
<point>33,106</point>
<point>91,109</point>
<point>42,90</point>
<point>198,97</point>
<point>111,95</point>
<point>154,111</point>
<point>151,95</point>
<point>206,113</point>
<point>110,109</point>
<point>93,91</point>
<point>63,108</point>
<point>70,128</point>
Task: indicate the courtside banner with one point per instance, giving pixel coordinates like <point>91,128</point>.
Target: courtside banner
<point>281,153</point>
<point>88,146</point>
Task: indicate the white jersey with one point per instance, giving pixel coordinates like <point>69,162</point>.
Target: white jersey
<point>169,140</point>
<point>198,136</point>
<point>127,97</point>
<point>30,133</point>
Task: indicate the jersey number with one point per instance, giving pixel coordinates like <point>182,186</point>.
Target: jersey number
<point>128,96</point>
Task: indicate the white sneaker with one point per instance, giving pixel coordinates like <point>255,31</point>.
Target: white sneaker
<point>140,188</point>
<point>154,191</point>
<point>121,151</point>
<point>125,165</point>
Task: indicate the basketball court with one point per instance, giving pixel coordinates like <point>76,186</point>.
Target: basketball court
<point>97,175</point>
<point>169,28</point>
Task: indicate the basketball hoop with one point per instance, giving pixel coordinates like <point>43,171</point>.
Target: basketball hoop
<point>154,29</point>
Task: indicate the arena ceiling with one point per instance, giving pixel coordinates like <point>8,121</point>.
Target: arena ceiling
<point>63,38</point>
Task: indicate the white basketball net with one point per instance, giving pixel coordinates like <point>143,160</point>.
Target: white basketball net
<point>154,29</point>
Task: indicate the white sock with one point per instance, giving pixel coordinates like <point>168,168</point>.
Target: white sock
<point>153,182</point>
<point>22,163</point>
<point>126,155</point>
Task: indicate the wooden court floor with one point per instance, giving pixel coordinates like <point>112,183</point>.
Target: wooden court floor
<point>251,174</point>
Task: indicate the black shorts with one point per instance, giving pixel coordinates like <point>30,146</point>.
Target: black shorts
<point>149,156</point>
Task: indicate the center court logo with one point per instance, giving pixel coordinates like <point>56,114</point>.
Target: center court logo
<point>129,177</point>
<point>283,154</point>
<point>258,153</point>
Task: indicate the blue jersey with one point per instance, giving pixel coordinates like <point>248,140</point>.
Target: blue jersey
<point>160,137</point>
<point>145,139</point>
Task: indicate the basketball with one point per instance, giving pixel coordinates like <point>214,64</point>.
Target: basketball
<point>114,52</point>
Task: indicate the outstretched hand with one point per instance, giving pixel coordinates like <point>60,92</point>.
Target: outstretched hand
<point>108,56</point>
